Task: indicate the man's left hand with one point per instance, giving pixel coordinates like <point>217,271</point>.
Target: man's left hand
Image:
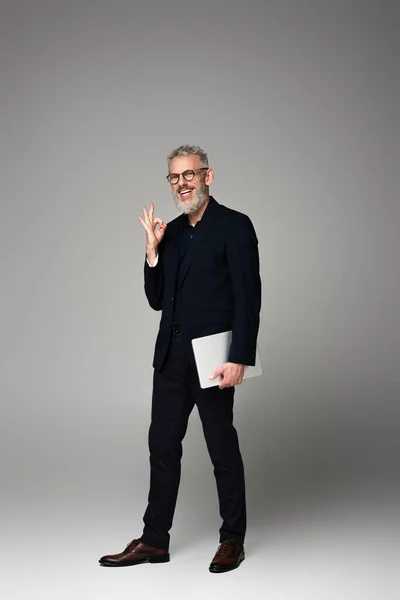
<point>232,374</point>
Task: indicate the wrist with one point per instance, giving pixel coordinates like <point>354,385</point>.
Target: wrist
<point>151,255</point>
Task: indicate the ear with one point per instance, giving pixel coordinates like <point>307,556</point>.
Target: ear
<point>209,177</point>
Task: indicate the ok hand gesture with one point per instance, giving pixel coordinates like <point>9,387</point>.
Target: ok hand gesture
<point>154,228</point>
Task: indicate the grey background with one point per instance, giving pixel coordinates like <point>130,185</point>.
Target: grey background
<point>296,103</point>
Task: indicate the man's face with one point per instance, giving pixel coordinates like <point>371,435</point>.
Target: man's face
<point>189,196</point>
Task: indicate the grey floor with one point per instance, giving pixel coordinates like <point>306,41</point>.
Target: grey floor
<point>339,544</point>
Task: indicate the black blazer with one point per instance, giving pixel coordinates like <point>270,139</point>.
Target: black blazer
<point>220,287</point>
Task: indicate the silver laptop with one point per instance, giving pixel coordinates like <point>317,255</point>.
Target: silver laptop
<point>211,351</point>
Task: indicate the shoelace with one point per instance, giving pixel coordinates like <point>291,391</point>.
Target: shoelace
<point>132,545</point>
<point>224,548</point>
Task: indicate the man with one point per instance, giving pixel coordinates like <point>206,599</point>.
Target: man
<point>202,272</point>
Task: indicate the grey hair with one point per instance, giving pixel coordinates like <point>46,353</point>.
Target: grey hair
<point>188,150</point>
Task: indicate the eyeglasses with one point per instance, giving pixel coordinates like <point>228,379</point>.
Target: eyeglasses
<point>188,175</point>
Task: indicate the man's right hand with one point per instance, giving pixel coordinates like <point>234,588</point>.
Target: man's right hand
<point>155,229</point>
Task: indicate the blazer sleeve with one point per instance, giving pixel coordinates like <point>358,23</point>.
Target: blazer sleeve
<point>244,270</point>
<point>154,283</point>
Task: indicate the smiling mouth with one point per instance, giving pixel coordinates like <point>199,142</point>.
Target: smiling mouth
<point>185,192</point>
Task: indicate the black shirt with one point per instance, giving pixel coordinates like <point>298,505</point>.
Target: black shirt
<point>188,234</point>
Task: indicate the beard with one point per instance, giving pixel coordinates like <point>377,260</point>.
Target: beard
<point>200,197</point>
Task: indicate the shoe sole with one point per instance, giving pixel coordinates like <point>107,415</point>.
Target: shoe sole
<point>151,559</point>
<point>227,569</point>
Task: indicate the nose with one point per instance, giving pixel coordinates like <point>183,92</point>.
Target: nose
<point>181,180</point>
<point>183,184</point>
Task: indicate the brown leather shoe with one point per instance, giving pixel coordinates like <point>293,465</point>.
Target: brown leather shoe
<point>229,556</point>
<point>135,553</point>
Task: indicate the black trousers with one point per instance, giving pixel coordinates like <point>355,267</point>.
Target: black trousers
<point>176,390</point>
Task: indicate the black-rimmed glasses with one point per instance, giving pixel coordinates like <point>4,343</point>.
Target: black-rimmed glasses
<point>188,175</point>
